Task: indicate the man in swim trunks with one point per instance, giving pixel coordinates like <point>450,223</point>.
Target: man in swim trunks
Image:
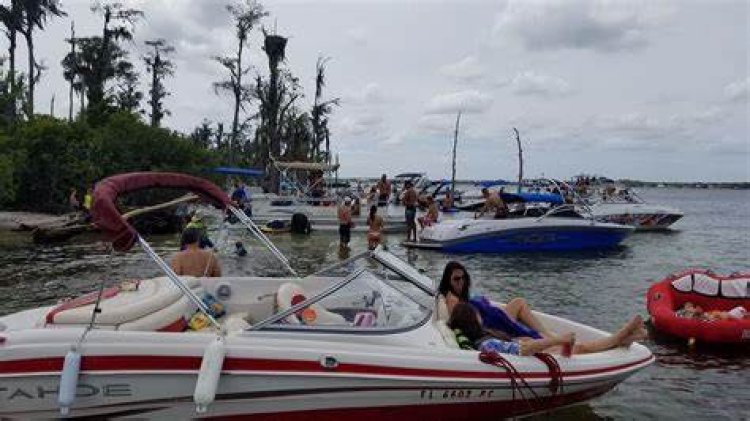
<point>345,223</point>
<point>384,191</point>
<point>410,203</point>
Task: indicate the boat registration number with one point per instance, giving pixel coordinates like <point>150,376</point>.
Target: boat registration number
<point>453,394</point>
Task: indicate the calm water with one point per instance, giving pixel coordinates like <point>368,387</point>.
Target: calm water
<point>601,289</point>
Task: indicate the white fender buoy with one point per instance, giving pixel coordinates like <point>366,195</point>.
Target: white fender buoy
<point>69,381</point>
<point>209,374</point>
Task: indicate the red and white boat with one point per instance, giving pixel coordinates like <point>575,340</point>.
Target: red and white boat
<point>711,292</point>
<point>356,341</point>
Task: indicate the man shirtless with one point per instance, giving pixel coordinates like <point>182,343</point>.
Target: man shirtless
<point>192,261</point>
<point>410,204</point>
<point>384,191</point>
<point>492,201</point>
<point>345,222</point>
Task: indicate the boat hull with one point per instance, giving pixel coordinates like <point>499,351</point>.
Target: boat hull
<point>533,237</point>
<point>159,386</point>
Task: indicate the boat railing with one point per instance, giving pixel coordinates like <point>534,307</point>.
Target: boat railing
<point>579,205</point>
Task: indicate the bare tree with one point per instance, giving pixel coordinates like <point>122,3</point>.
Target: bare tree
<point>245,15</point>
<point>12,18</point>
<point>160,68</point>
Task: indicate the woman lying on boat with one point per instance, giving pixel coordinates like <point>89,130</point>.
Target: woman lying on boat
<point>515,320</point>
<point>466,324</point>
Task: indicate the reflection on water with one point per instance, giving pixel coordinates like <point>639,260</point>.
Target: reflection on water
<point>602,289</point>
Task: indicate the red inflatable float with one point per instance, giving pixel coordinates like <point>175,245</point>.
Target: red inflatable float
<point>713,293</point>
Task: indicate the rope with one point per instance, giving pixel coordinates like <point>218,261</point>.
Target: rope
<point>556,375</point>
<point>494,358</point>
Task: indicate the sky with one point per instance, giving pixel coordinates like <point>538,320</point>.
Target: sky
<point>654,90</point>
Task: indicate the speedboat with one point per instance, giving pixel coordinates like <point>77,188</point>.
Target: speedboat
<point>520,235</point>
<point>633,211</point>
<point>357,340</point>
<point>610,202</point>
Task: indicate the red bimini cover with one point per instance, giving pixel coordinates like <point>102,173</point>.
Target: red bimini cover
<point>107,217</point>
<point>709,291</point>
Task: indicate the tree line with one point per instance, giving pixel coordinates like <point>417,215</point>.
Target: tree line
<point>114,126</point>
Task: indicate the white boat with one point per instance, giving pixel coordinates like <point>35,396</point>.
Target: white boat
<point>321,211</point>
<point>610,202</point>
<point>524,234</point>
<point>635,212</point>
<point>355,341</point>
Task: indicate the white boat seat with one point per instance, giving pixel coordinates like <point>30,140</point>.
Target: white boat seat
<point>290,294</point>
<point>155,303</point>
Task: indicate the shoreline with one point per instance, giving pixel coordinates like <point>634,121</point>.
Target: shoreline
<point>12,220</point>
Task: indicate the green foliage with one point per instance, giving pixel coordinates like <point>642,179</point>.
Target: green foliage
<point>42,159</point>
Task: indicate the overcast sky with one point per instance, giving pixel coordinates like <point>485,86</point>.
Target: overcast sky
<point>651,90</point>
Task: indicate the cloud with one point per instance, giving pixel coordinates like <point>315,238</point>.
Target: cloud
<point>359,125</point>
<point>468,101</point>
<point>531,83</point>
<point>604,26</point>
<point>370,94</point>
<point>436,124</point>
<point>738,91</point>
<point>357,35</point>
<point>467,69</point>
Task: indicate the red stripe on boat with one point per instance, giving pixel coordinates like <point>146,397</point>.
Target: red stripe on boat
<point>81,301</point>
<point>181,363</point>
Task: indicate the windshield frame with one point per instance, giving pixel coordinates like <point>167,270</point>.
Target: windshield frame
<point>270,323</point>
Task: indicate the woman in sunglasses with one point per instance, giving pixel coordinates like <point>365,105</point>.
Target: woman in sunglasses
<point>514,320</point>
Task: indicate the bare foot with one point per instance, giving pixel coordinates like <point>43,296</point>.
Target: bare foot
<point>631,332</point>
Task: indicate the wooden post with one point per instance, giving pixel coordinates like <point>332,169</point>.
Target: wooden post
<point>520,160</point>
<point>453,165</point>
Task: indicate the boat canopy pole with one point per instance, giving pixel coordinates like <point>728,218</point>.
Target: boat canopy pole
<point>177,281</point>
<point>250,225</point>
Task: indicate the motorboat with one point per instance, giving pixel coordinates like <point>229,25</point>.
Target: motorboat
<point>522,234</point>
<point>318,206</point>
<point>357,340</point>
<point>631,210</point>
<point>610,202</point>
<point>728,295</point>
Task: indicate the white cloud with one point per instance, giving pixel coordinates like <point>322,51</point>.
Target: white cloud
<point>357,35</point>
<point>579,24</point>
<point>467,69</point>
<point>436,123</point>
<point>469,101</point>
<point>370,94</point>
<point>358,125</point>
<point>531,83</point>
<point>738,91</point>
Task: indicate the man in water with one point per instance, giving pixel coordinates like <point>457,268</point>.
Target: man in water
<point>345,222</point>
<point>384,191</point>
<point>193,261</point>
<point>410,203</point>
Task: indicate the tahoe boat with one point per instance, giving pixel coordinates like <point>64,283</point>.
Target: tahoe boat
<point>357,340</point>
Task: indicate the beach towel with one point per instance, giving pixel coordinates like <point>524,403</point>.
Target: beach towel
<point>495,318</point>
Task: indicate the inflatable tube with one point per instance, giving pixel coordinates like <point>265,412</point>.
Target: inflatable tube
<point>707,290</point>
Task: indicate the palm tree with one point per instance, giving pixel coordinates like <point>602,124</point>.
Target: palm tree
<point>34,15</point>
<point>12,18</point>
<point>321,109</point>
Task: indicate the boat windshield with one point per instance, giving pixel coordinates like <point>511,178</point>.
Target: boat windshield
<point>368,293</point>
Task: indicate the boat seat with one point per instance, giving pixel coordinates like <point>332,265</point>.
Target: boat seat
<point>153,304</point>
<point>290,294</point>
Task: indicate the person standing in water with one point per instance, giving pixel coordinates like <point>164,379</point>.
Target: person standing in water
<point>345,222</point>
<point>410,203</point>
<point>194,261</point>
<point>375,224</point>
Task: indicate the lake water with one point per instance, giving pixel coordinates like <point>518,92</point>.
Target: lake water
<point>601,289</point>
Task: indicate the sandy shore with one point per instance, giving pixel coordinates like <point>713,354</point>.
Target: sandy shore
<point>12,220</point>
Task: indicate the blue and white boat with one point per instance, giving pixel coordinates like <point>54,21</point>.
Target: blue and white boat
<point>525,234</point>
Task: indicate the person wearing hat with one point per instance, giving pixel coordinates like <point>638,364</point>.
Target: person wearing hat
<point>196,222</point>
<point>345,222</point>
